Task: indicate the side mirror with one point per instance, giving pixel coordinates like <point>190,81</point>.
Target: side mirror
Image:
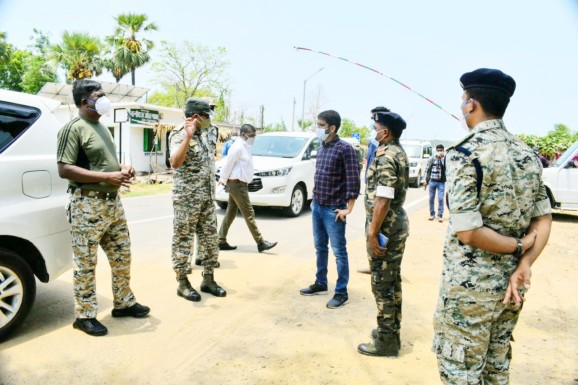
<point>426,156</point>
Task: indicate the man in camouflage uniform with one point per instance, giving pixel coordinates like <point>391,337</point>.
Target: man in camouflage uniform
<point>86,157</point>
<point>387,182</point>
<point>192,148</point>
<point>499,224</point>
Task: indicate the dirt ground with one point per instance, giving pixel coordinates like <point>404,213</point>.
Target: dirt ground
<point>264,332</point>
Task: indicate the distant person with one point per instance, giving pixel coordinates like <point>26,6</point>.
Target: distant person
<point>435,178</point>
<point>385,192</point>
<point>229,143</point>
<point>500,220</point>
<point>236,173</point>
<point>372,146</point>
<point>335,189</point>
<point>192,147</point>
<point>86,156</point>
<point>545,162</point>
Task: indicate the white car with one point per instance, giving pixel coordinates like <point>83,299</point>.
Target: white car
<point>418,153</point>
<point>34,232</point>
<point>561,180</point>
<point>284,170</point>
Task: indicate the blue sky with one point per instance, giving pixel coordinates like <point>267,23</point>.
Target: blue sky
<point>427,45</point>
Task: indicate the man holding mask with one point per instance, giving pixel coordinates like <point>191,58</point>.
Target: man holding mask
<point>192,147</point>
<point>236,174</point>
<point>387,183</point>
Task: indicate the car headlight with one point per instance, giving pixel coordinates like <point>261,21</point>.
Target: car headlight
<point>412,164</point>
<point>279,172</point>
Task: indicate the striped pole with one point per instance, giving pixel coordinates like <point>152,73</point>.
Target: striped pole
<point>382,74</point>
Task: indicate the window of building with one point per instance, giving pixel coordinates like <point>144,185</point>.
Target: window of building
<point>149,140</point>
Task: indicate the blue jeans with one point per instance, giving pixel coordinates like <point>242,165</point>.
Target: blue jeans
<point>441,188</point>
<point>326,230</point>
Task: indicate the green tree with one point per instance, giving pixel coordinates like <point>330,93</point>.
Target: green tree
<point>11,72</point>
<point>275,127</point>
<point>348,128</point>
<point>555,142</point>
<point>37,74</point>
<point>191,70</point>
<point>130,49</point>
<point>5,49</point>
<point>79,54</point>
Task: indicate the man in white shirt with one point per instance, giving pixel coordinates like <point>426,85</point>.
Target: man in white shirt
<point>236,174</point>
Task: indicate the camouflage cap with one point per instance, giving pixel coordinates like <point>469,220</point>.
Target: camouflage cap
<point>197,106</point>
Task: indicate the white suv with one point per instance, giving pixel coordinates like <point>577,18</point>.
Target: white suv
<point>284,171</point>
<point>418,153</point>
<point>34,233</point>
<point>561,180</point>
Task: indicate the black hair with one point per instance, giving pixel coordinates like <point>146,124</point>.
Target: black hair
<point>247,128</point>
<point>331,117</point>
<point>396,131</point>
<point>440,146</point>
<point>83,88</point>
<point>494,102</point>
<point>380,109</point>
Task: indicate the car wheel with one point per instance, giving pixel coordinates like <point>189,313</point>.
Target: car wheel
<point>17,291</point>
<point>297,202</point>
<point>417,180</point>
<point>222,205</point>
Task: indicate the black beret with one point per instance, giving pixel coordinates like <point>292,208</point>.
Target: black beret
<point>390,119</point>
<point>197,106</point>
<point>489,78</point>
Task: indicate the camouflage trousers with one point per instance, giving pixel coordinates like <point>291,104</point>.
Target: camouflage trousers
<point>194,216</point>
<point>472,340</point>
<point>97,222</point>
<point>386,285</point>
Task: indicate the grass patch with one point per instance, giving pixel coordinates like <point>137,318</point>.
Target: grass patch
<point>141,189</point>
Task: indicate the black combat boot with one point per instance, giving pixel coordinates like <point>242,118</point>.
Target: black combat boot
<point>386,346</point>
<point>186,291</point>
<point>210,286</point>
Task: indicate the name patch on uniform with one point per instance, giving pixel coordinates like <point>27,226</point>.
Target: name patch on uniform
<point>380,152</point>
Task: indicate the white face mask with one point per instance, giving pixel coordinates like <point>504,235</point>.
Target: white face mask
<point>373,137</point>
<point>320,132</point>
<point>463,122</point>
<point>101,106</point>
<point>250,141</point>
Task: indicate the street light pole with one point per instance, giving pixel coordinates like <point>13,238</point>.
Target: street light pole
<point>303,106</point>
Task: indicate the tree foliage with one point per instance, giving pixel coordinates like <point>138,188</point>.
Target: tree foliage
<point>79,54</point>
<point>275,127</point>
<point>190,70</point>
<point>555,142</point>
<point>129,48</point>
<point>348,128</point>
<point>5,49</point>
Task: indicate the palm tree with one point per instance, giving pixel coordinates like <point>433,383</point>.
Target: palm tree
<point>130,52</point>
<point>78,54</point>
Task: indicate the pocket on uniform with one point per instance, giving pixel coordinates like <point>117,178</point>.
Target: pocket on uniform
<point>448,350</point>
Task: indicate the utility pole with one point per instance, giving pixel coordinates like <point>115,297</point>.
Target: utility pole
<point>303,106</point>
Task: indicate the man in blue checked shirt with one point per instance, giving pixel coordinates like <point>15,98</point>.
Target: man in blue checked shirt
<point>335,190</point>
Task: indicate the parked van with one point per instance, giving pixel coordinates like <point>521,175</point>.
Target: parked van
<point>34,232</point>
<point>561,180</point>
<point>418,153</point>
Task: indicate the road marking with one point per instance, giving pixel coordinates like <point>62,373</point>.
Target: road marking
<point>151,219</point>
<point>407,207</point>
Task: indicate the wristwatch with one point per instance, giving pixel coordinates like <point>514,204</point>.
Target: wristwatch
<point>518,252</point>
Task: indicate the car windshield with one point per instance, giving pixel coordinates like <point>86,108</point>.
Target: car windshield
<point>566,155</point>
<point>412,150</point>
<point>278,146</point>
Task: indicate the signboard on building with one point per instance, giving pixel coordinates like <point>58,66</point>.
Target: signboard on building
<point>356,135</point>
<point>144,116</point>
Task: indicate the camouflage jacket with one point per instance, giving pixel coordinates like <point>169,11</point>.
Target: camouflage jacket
<point>510,195</point>
<point>388,176</point>
<point>197,173</point>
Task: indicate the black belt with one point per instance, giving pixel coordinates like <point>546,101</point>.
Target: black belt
<point>98,194</point>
